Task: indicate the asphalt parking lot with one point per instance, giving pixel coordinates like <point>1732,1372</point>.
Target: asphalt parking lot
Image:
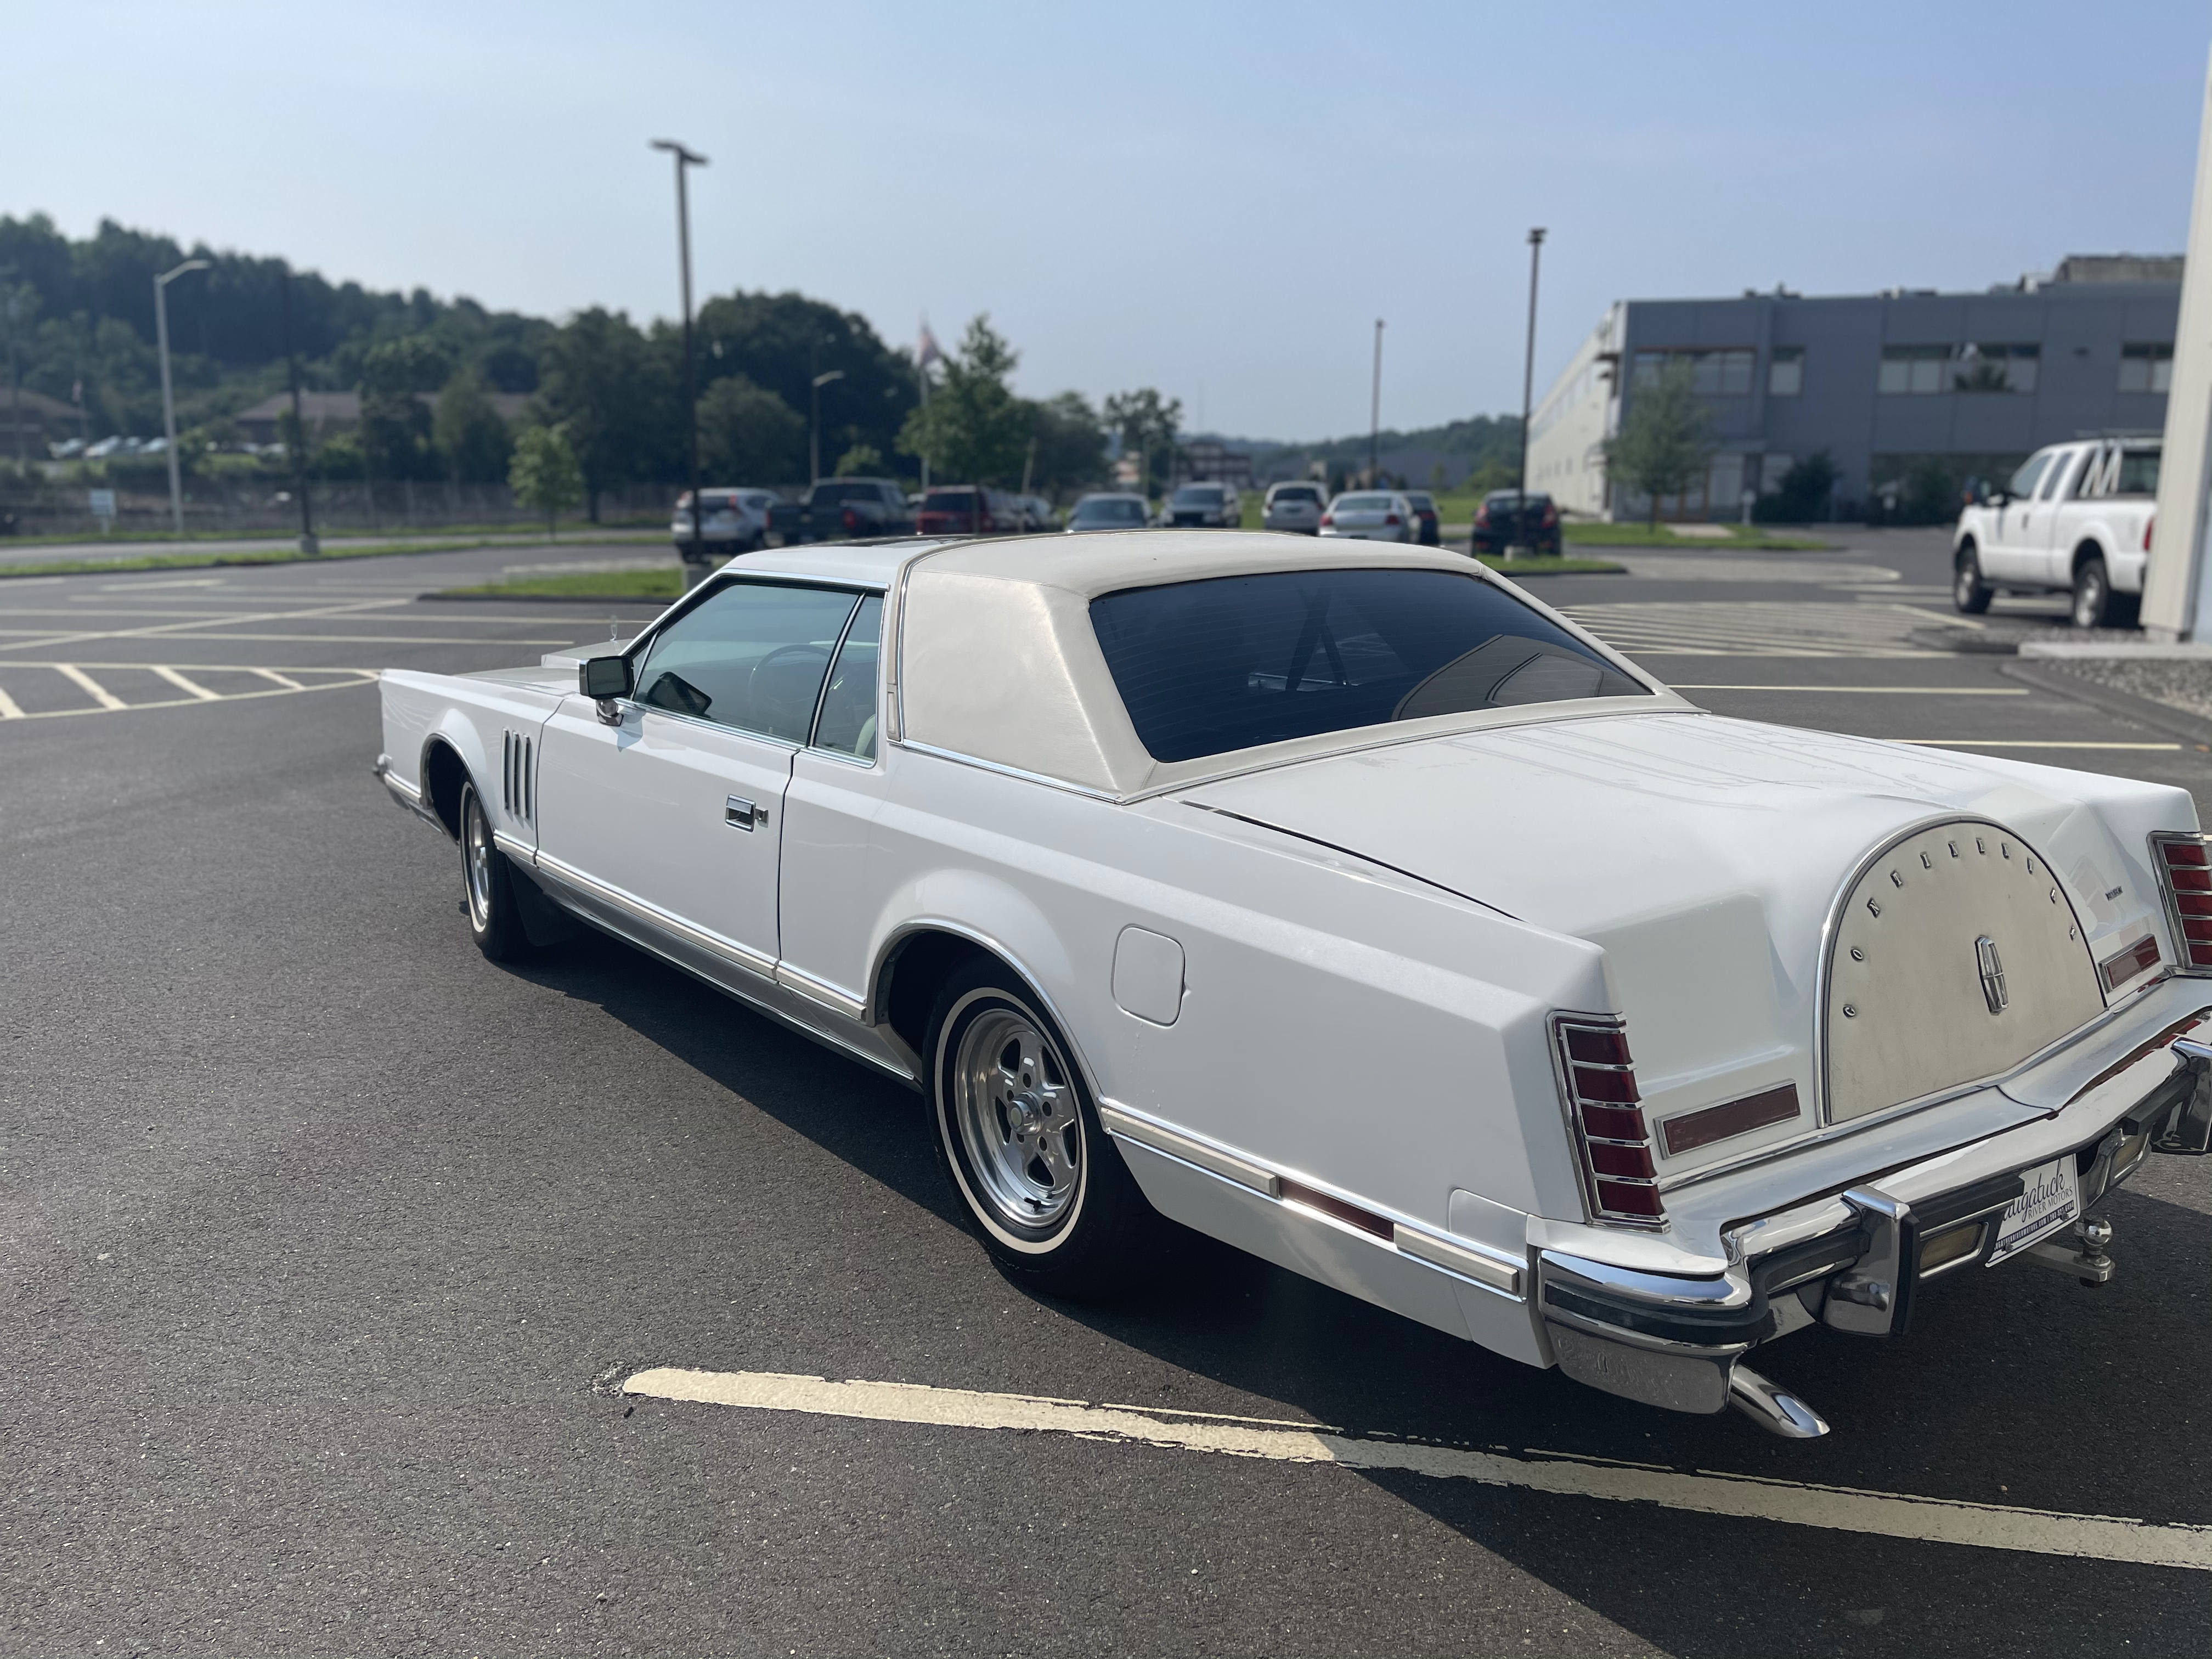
<point>328,1248</point>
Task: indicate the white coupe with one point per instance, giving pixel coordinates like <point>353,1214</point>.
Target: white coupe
<point>1347,904</point>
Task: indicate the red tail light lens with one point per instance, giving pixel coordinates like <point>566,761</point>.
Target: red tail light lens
<point>1482,518</point>
<point>1550,517</point>
<point>2184,863</point>
<point>1598,1081</point>
<point>1328,518</point>
<point>1389,517</point>
<point>852,520</point>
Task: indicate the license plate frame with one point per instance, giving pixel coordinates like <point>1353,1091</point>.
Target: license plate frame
<point>2050,1199</point>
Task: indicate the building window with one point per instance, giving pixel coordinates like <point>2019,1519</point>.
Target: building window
<point>1725,374</point>
<point>1915,370</point>
<point>2146,367</point>
<point>1996,368</point>
<point>1785,372</point>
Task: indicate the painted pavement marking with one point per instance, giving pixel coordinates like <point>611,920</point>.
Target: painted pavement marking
<point>279,683</point>
<point>1839,1509</point>
<point>1756,628</point>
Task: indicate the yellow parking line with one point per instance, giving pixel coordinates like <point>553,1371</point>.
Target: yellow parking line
<point>184,684</point>
<point>91,687</point>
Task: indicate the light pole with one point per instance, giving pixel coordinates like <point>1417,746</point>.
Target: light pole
<point>1528,385</point>
<point>695,556</point>
<point>168,399</point>
<point>298,442</point>
<point>814,423</point>
<point>1375,416</point>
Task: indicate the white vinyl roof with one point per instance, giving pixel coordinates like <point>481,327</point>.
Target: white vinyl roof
<point>995,659</point>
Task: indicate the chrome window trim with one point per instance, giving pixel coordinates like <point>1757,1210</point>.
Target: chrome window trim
<point>814,730</point>
<point>1004,770</point>
<point>1825,968</point>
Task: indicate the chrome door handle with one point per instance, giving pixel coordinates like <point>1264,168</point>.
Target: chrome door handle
<point>742,814</point>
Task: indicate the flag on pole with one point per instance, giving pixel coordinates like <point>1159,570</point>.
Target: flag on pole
<point>926,351</point>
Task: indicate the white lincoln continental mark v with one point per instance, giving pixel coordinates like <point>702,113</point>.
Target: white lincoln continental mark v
<point>1347,904</point>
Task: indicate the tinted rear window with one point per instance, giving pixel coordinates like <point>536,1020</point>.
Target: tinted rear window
<point>829,495</point>
<point>1198,496</point>
<point>1365,503</point>
<point>1206,667</point>
<point>950,501</point>
<point>1298,492</point>
<point>1109,512</point>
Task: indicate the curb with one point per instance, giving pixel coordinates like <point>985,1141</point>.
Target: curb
<point>2174,722</point>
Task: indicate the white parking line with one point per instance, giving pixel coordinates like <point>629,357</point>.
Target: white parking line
<point>91,687</point>
<point>276,678</point>
<point>9,709</point>
<point>184,684</point>
<point>1839,1509</point>
<point>2007,743</point>
<point>1875,690</point>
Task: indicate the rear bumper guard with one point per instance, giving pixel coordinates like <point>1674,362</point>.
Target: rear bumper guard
<point>1678,1342</point>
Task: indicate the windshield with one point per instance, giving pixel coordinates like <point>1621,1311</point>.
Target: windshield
<point>1198,496</point>
<point>1205,667</point>
<point>1109,510</point>
<point>1365,503</point>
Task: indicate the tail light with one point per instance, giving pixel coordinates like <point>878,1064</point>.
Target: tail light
<point>1551,516</point>
<point>2184,874</point>
<point>852,520</point>
<point>1597,1081</point>
<point>1328,518</point>
<point>2149,521</point>
<point>1389,517</point>
<point>1482,518</point>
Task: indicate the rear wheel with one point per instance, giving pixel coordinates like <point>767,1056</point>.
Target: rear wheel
<point>1969,593</point>
<point>1019,1138</point>
<point>495,920</point>
<point>2093,594</point>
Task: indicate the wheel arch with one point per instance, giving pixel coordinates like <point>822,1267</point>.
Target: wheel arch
<point>443,773</point>
<point>920,955</point>
<point>2086,549</point>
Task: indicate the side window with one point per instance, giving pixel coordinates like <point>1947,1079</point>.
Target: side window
<point>2062,463</point>
<point>2024,481</point>
<point>849,706</point>
<point>752,657</point>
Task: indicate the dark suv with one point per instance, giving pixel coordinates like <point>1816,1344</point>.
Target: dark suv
<point>1508,518</point>
<point>969,510</point>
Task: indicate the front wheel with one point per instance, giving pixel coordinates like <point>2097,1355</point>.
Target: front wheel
<point>1970,594</point>
<point>2093,595</point>
<point>495,919</point>
<point>1019,1138</point>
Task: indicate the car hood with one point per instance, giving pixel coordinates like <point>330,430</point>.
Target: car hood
<point>1703,854</point>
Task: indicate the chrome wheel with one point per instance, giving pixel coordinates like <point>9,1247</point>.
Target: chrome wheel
<point>476,861</point>
<point>2090,595</point>
<point>1015,1112</point>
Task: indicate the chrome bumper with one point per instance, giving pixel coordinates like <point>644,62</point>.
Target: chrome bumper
<point>1851,1261</point>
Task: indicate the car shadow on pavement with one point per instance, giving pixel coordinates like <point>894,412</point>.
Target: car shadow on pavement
<point>2015,1387</point>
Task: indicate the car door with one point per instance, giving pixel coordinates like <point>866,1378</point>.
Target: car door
<point>2010,555</point>
<point>2055,515</point>
<point>667,817</point>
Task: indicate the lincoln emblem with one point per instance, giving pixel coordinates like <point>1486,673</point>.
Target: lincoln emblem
<point>1992,967</point>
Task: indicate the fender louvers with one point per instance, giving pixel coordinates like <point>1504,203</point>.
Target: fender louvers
<point>517,776</point>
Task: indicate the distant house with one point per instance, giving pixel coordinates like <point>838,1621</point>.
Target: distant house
<point>42,420</point>
<point>326,412</point>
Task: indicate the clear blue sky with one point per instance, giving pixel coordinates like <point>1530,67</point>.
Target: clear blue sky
<point>1217,200</point>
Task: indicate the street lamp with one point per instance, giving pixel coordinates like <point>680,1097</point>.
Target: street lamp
<point>695,556</point>
<point>1528,385</point>
<point>168,398</point>
<point>814,423</point>
<point>1375,416</point>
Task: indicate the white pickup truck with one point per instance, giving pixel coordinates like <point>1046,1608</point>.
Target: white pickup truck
<point>2076,517</point>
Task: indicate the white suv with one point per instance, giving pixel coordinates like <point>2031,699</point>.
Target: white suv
<point>1295,508</point>
<point>737,520</point>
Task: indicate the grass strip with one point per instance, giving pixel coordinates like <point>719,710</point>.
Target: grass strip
<point>627,528</point>
<point>1739,537</point>
<point>218,561</point>
<point>656,583</point>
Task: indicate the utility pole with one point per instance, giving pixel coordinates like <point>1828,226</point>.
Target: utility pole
<point>14,376</point>
<point>1527,387</point>
<point>168,399</point>
<point>814,423</point>
<point>695,556</point>
<point>298,444</point>
<point>1375,415</point>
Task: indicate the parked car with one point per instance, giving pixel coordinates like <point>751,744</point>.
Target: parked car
<point>1110,511</point>
<point>2074,518</point>
<point>969,510</point>
<point>735,520</point>
<point>1370,515</point>
<point>1699,1032</point>
<point>1509,520</point>
<point>840,509</point>
<point>1295,508</point>
<point>1038,514</point>
<point>1429,532</point>
<point>1204,506</point>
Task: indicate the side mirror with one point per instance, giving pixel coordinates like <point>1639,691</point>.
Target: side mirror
<point>603,677</point>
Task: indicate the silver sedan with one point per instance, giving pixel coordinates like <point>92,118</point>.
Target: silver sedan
<point>1371,515</point>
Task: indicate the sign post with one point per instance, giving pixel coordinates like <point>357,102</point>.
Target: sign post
<point>2177,594</point>
<point>103,508</point>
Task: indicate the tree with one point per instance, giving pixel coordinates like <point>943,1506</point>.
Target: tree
<point>1071,445</point>
<point>545,474</point>
<point>860,461</point>
<point>616,398</point>
<point>781,342</point>
<point>972,428</point>
<point>1147,424</point>
<point>470,435</point>
<point>1801,497</point>
<point>747,434</point>
<point>395,421</point>
<point>1664,444</point>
